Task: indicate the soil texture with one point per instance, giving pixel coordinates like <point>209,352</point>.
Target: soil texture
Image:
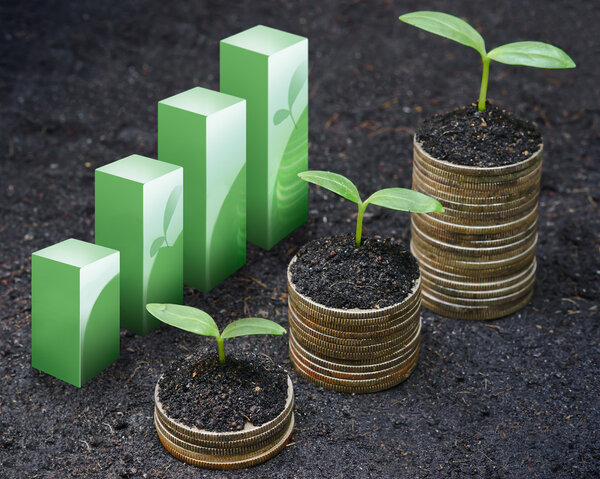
<point>332,271</point>
<point>467,136</point>
<point>199,391</point>
<point>511,398</point>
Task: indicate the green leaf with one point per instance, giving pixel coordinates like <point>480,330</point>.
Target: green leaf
<point>447,26</point>
<point>404,199</point>
<point>248,326</point>
<point>185,317</point>
<point>170,207</point>
<point>297,82</point>
<point>333,182</point>
<point>532,54</point>
<point>155,246</point>
<point>280,115</point>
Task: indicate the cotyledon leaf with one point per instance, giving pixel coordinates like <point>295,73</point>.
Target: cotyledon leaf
<point>532,54</point>
<point>185,317</point>
<point>404,199</point>
<point>447,26</point>
<point>248,326</point>
<point>333,182</point>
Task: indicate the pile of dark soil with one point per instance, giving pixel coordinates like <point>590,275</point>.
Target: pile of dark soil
<point>199,391</point>
<point>333,272</point>
<point>470,137</point>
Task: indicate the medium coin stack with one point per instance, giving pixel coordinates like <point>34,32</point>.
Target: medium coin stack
<point>355,350</point>
<point>477,259</point>
<point>225,450</point>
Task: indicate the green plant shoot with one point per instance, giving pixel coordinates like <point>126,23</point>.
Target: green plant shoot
<point>401,199</point>
<point>199,322</point>
<point>531,54</point>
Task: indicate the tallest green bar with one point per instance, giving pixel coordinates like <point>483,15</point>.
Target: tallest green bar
<point>269,68</point>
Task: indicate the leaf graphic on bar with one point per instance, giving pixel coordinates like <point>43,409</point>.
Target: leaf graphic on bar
<point>170,208</point>
<point>156,244</point>
<point>297,82</point>
<point>299,78</point>
<point>290,191</point>
<point>225,252</point>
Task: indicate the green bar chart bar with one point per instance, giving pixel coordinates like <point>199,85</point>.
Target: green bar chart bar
<point>139,212</point>
<point>269,68</point>
<point>204,131</point>
<point>74,310</point>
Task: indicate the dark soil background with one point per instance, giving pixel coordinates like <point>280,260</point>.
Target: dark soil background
<point>516,397</point>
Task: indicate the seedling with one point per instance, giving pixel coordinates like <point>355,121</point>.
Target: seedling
<point>197,321</point>
<point>531,54</point>
<point>401,199</point>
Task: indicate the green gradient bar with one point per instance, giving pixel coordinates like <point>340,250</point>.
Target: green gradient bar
<point>205,132</point>
<point>269,68</point>
<point>139,212</point>
<point>74,310</point>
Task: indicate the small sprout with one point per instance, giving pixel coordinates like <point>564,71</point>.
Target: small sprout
<point>199,322</point>
<point>401,199</point>
<point>530,54</point>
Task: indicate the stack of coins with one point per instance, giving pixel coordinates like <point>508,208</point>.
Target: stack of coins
<point>477,259</point>
<point>354,350</point>
<point>225,450</point>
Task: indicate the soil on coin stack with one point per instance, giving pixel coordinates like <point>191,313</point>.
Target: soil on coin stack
<point>470,137</point>
<point>332,271</point>
<point>199,391</point>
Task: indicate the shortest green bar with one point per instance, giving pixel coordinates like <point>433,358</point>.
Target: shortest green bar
<point>74,310</point>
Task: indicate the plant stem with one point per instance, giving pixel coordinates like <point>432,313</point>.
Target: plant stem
<point>484,83</point>
<point>221,346</point>
<point>359,220</point>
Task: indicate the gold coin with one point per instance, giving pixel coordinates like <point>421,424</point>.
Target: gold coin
<point>331,323</point>
<point>357,344</point>
<point>508,228</point>
<point>478,285</point>
<point>440,251</point>
<point>357,387</point>
<point>509,265</point>
<point>421,154</point>
<point>259,444</point>
<point>331,350</point>
<point>474,238</point>
<point>477,294</point>
<point>458,245</point>
<point>298,354</point>
<point>242,445</point>
<point>474,184</point>
<point>480,313</point>
<point>367,334</point>
<point>233,463</point>
<point>355,367</point>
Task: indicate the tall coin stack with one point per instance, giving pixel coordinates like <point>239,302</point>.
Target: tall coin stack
<point>224,450</point>
<point>355,350</point>
<point>477,259</point>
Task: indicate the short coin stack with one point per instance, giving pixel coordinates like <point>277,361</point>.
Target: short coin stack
<point>225,450</point>
<point>355,350</point>
<point>477,259</point>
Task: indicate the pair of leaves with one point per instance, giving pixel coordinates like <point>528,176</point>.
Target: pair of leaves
<point>167,218</point>
<point>199,322</point>
<point>297,81</point>
<point>532,54</point>
<point>401,199</point>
